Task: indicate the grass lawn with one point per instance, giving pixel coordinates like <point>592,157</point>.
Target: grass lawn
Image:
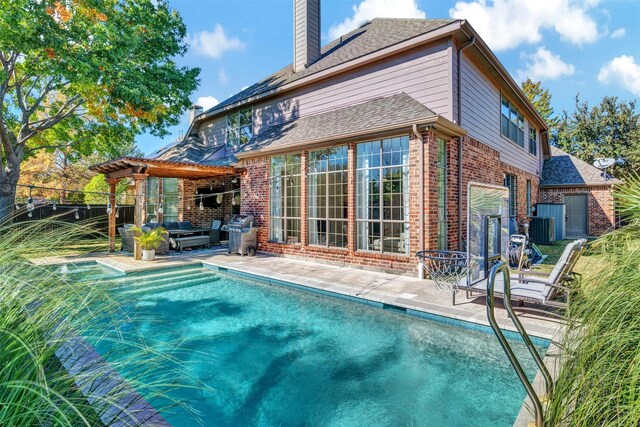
<point>553,253</point>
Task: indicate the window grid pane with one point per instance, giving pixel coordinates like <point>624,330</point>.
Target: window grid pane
<point>382,195</point>
<point>285,197</point>
<point>327,186</point>
<point>239,127</point>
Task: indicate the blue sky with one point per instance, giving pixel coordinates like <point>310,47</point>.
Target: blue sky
<point>573,46</point>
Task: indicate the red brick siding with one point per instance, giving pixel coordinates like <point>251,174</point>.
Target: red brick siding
<point>600,205</point>
<point>188,205</point>
<point>480,163</point>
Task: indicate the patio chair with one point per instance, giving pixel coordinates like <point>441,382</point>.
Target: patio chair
<point>534,287</point>
<point>214,233</point>
<point>127,238</point>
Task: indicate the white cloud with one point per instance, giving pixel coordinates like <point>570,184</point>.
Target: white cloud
<point>214,44</point>
<point>207,102</point>
<point>369,9</point>
<point>544,65</point>
<point>506,24</point>
<point>222,76</point>
<point>622,70</point>
<point>619,33</point>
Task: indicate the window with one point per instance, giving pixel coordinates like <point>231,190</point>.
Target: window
<point>382,195</point>
<point>284,201</point>
<point>441,176</point>
<point>153,189</point>
<point>239,127</point>
<point>327,197</point>
<point>169,199</point>
<point>533,141</point>
<point>511,182</point>
<point>162,206</point>
<point>512,124</point>
<point>528,198</point>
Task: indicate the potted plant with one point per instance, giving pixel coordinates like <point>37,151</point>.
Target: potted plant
<point>149,241</point>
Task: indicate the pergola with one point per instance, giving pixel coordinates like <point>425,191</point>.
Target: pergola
<point>139,169</point>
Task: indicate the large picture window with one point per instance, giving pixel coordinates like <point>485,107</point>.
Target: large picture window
<point>512,125</point>
<point>327,186</point>
<point>382,195</point>
<point>239,127</point>
<point>170,199</point>
<point>441,170</point>
<point>284,200</point>
<point>511,182</point>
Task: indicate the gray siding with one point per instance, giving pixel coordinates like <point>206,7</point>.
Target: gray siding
<point>481,118</point>
<point>213,132</point>
<point>423,74</point>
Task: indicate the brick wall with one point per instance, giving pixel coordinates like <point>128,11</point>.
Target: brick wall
<point>600,206</point>
<point>480,163</point>
<point>188,205</point>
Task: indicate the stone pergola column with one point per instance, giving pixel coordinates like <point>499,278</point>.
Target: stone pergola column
<point>112,216</point>
<point>139,208</point>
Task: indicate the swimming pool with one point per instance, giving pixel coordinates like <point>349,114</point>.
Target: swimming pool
<point>277,355</point>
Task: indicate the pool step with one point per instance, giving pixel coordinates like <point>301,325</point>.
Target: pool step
<point>150,278</point>
<point>160,285</point>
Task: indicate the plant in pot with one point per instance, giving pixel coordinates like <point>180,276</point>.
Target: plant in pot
<point>149,240</point>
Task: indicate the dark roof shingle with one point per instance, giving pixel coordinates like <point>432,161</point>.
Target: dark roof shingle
<point>563,169</point>
<point>368,38</point>
<point>372,115</point>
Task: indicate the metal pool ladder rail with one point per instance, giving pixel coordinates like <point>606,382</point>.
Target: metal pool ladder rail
<point>537,405</point>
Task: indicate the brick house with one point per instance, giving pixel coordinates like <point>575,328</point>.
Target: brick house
<point>360,151</point>
<point>585,190</point>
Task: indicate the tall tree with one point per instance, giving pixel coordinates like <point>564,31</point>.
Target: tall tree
<point>541,99</point>
<point>86,75</point>
<point>609,129</point>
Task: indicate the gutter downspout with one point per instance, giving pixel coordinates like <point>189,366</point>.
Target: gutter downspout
<point>469,43</point>
<point>421,192</point>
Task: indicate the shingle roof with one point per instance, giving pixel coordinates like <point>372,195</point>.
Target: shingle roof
<point>189,150</point>
<point>368,38</point>
<point>377,114</point>
<point>563,169</point>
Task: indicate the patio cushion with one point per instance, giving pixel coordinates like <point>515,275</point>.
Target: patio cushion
<point>170,225</point>
<point>152,225</point>
<point>184,225</point>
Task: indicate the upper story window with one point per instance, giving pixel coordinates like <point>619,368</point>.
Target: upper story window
<point>239,127</point>
<point>512,122</point>
<point>533,141</point>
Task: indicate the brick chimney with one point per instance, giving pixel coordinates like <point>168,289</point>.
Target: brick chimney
<point>306,33</point>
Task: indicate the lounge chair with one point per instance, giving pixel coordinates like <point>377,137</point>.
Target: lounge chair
<point>529,286</point>
<point>214,233</point>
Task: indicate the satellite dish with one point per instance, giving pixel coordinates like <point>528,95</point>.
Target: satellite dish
<point>604,163</point>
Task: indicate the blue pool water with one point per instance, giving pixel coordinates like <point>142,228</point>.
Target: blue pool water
<point>278,356</point>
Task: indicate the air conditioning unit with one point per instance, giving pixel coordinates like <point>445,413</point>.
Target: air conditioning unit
<point>542,230</point>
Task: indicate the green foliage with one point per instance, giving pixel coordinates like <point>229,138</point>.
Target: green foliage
<point>87,74</point>
<point>609,129</point>
<point>43,310</point>
<point>599,378</point>
<point>98,184</point>
<point>541,99</point>
<point>149,239</point>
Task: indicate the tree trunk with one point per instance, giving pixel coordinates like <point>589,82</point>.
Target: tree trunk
<point>8,184</point>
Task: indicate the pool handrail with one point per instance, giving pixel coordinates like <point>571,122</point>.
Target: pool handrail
<point>537,405</point>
